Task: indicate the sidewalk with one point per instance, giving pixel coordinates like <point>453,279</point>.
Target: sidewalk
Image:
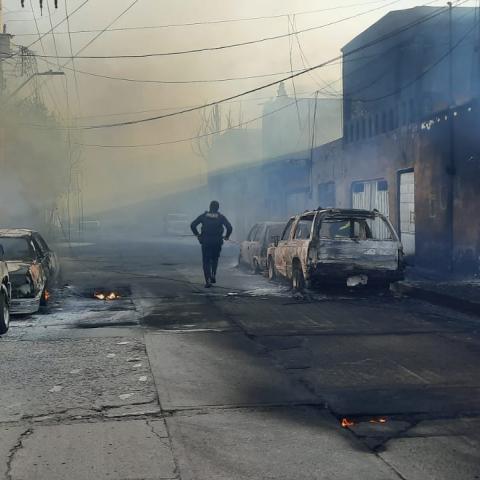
<point>460,295</point>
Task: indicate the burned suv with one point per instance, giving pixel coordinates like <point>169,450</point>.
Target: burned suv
<point>337,245</point>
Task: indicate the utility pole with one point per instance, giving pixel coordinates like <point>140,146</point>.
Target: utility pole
<point>450,169</point>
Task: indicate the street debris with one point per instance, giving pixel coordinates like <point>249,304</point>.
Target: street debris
<point>111,355</point>
<point>143,378</point>
<point>124,396</point>
<point>56,389</point>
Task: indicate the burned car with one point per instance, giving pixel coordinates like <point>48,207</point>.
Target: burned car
<point>33,267</point>
<point>337,245</point>
<point>253,251</point>
<point>5,295</point>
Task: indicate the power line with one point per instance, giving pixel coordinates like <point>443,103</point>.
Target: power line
<point>276,82</point>
<point>196,137</point>
<point>214,22</point>
<point>228,46</point>
<point>406,85</point>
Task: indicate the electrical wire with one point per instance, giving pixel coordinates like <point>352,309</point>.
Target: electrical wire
<point>227,46</point>
<point>276,82</point>
<point>214,22</point>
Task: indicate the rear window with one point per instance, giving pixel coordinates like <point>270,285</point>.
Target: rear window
<point>355,228</point>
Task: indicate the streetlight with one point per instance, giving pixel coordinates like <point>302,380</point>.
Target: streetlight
<point>37,74</point>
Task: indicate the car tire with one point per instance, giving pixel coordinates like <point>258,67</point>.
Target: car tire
<point>272,274</point>
<point>298,279</point>
<point>4,314</point>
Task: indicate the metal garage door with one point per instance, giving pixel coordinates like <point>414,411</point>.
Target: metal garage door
<point>407,212</point>
<point>369,195</point>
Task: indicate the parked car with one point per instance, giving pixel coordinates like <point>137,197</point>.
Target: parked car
<point>5,295</point>
<point>332,245</point>
<point>33,268</point>
<point>253,251</point>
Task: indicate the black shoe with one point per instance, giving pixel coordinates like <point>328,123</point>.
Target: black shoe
<point>213,280</point>
<point>208,285</point>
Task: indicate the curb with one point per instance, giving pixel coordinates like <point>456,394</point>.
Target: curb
<point>456,303</point>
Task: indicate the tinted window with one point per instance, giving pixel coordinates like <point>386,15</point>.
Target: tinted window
<point>17,249</point>
<point>288,229</point>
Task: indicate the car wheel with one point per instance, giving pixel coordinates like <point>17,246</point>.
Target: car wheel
<point>4,314</point>
<point>298,279</point>
<point>272,274</point>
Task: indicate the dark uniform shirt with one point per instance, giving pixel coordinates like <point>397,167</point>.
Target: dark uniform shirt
<point>212,228</point>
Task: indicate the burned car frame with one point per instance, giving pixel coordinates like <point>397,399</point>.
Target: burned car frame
<point>5,294</point>
<point>253,250</point>
<point>337,245</point>
<point>33,267</point>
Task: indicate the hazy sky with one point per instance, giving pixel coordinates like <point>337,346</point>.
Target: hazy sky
<point>126,175</point>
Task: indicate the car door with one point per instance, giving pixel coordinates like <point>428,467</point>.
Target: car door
<point>256,245</point>
<point>245,246</point>
<point>46,257</point>
<point>300,239</point>
<point>281,250</point>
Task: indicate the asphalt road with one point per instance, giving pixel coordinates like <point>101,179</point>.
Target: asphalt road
<point>242,381</point>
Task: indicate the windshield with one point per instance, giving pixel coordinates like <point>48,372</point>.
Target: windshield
<point>16,249</point>
<point>355,228</point>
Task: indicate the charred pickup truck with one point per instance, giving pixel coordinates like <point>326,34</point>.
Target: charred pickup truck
<point>32,267</point>
<point>337,245</point>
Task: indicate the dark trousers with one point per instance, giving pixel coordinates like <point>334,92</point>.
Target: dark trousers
<point>210,256</point>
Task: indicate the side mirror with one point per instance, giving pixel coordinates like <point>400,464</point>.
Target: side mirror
<point>275,239</point>
<point>2,252</point>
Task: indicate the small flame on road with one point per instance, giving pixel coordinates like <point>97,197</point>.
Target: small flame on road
<point>46,295</point>
<point>346,422</point>
<point>106,295</point>
<point>378,420</point>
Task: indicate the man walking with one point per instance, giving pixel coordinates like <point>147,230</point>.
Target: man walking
<point>211,239</point>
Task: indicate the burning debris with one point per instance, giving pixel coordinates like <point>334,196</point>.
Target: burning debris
<point>107,296</point>
<point>347,422</point>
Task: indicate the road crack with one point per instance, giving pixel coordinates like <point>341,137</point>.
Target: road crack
<point>13,451</point>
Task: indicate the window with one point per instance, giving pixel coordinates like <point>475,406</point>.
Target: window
<point>258,233</point>
<point>358,187</point>
<point>252,233</point>
<point>288,229</point>
<point>337,228</point>
<point>304,228</point>
<point>362,128</point>
<point>370,127</point>
<point>384,122</point>
<point>357,130</point>
<point>377,124</point>
<point>382,186</point>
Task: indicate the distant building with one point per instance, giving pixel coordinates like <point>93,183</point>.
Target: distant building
<point>398,70</point>
<point>288,123</point>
